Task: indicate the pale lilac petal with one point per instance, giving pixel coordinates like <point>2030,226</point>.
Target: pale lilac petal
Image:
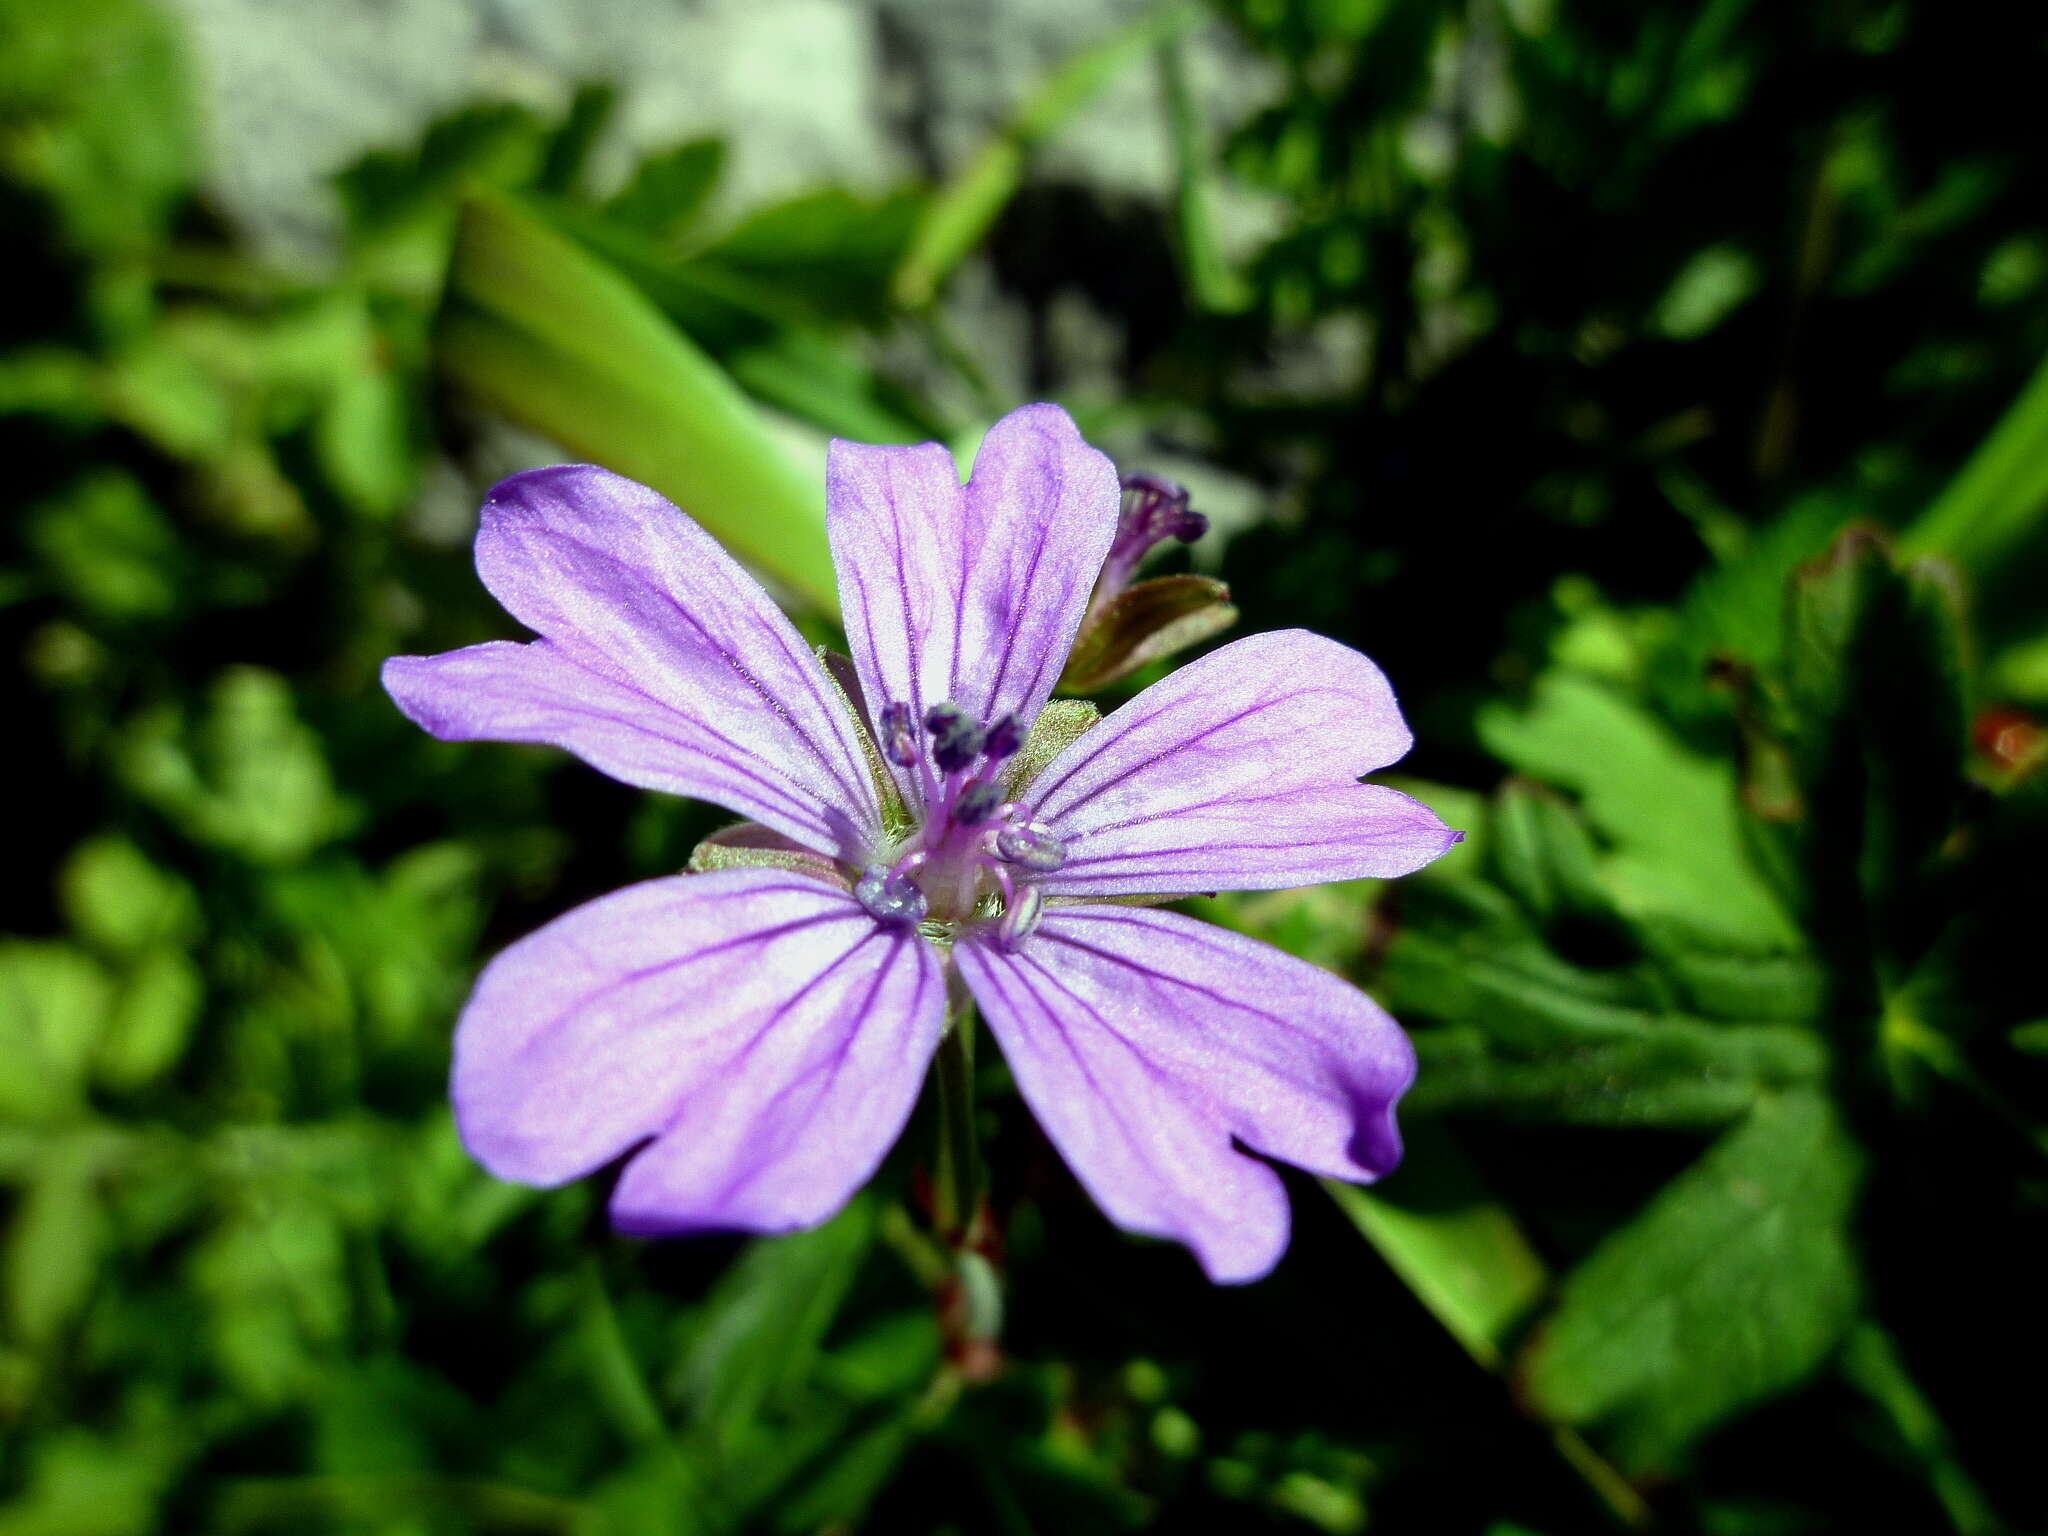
<point>1239,772</point>
<point>506,691</point>
<point>1145,1041</point>
<point>758,1024</point>
<point>648,621</point>
<point>970,595</point>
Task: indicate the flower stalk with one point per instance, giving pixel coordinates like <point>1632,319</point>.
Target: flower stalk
<point>957,1190</point>
<point>969,1294</point>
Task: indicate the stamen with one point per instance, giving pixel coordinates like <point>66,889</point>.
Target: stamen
<point>1032,845</point>
<point>898,729</point>
<point>978,802</point>
<point>956,740</point>
<point>1021,915</point>
<point>1004,738</point>
<point>891,896</point>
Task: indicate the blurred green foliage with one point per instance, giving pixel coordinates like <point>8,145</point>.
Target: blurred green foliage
<point>1654,389</point>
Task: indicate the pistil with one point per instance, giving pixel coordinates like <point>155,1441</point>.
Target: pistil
<point>973,843</point>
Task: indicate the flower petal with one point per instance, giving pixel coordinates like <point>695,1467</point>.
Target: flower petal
<point>651,632</point>
<point>506,691</point>
<point>1145,1041</point>
<point>1239,772</point>
<point>757,1023</point>
<point>970,594</point>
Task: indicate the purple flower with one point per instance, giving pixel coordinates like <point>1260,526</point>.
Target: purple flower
<point>763,1028</point>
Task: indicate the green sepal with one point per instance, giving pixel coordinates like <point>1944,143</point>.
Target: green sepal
<point>1058,726</point>
<point>896,817</point>
<point>749,845</point>
<point>1143,623</point>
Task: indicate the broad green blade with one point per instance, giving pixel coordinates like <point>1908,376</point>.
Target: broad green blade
<point>1999,498</point>
<point>549,334</point>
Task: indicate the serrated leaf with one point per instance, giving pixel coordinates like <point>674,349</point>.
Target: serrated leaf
<point>1876,680</point>
<point>1671,814</point>
<point>1729,1288</point>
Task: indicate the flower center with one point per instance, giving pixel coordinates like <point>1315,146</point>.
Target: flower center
<point>974,853</point>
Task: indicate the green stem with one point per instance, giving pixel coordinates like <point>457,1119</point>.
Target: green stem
<point>957,1198</point>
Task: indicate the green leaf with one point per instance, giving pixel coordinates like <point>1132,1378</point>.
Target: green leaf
<point>815,378</point>
<point>1711,286</point>
<point>273,1277</point>
<point>80,1484</point>
<point>117,900</point>
<point>101,117</point>
<point>669,189</point>
<point>54,1242</point>
<point>1212,279</point>
<point>1875,675</point>
<point>1326,925</point>
<point>54,1003</point>
<point>1671,814</point>
<point>549,334</point>
<point>152,1020</point>
<point>1542,854</point>
<point>1995,504</point>
<point>366,437</point>
<point>1460,1251</point>
<point>111,550</point>
<point>826,255</point>
<point>1732,1286</point>
<point>248,777</point>
<point>1668,1072</point>
<point>765,1322</point>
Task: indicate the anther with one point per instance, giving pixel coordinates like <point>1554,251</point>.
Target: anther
<point>1004,738</point>
<point>899,734</point>
<point>977,803</point>
<point>1021,916</point>
<point>890,896</point>
<point>1031,845</point>
<point>956,740</point>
